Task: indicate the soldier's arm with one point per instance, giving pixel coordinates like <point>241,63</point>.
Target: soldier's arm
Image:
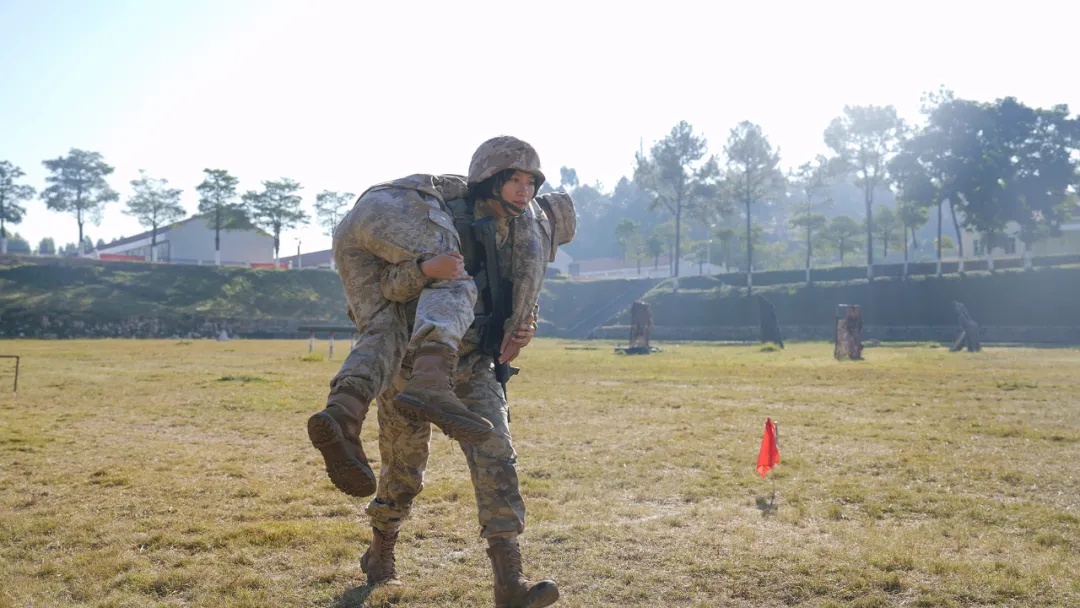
<point>518,339</point>
<point>404,282</point>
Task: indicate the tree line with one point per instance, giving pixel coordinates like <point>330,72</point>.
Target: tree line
<point>987,165</point>
<point>77,184</point>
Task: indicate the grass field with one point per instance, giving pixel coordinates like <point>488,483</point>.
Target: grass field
<point>166,473</point>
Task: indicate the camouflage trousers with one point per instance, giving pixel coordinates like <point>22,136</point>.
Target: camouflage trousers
<point>377,248</point>
<point>403,448</point>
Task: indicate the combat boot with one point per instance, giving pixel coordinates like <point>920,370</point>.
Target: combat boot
<point>430,397</point>
<point>335,432</point>
<point>378,561</point>
<point>512,589</point>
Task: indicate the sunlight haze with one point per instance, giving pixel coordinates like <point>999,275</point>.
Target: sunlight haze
<point>341,95</point>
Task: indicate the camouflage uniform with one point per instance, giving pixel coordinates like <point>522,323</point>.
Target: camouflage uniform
<point>377,249</point>
<point>524,251</point>
<point>526,241</point>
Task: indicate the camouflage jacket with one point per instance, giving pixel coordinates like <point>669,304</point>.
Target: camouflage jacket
<point>523,252</point>
<point>403,282</point>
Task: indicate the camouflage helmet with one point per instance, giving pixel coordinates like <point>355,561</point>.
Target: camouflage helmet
<point>504,152</point>
<point>559,208</point>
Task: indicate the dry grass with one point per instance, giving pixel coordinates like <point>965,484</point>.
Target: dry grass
<point>164,473</point>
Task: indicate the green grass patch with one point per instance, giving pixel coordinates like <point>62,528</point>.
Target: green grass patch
<point>241,378</point>
<point>133,474</point>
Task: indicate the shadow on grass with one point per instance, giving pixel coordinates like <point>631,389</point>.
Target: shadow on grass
<point>767,506</point>
<point>354,598</point>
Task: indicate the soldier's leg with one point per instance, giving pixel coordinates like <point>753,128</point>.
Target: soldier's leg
<point>384,229</point>
<point>367,370</point>
<point>493,462</point>
<point>403,448</point>
<point>500,508</point>
<point>402,227</point>
<point>440,321</point>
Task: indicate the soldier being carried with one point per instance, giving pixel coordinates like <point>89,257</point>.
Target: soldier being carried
<point>404,254</point>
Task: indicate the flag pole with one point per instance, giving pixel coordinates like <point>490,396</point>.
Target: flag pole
<point>776,439</point>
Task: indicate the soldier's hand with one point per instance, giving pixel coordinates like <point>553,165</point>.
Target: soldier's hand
<point>446,266</point>
<point>510,351</point>
<point>514,342</point>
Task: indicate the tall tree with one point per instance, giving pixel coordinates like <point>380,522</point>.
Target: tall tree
<point>887,226</point>
<point>654,246</point>
<point>625,233</point>
<point>948,148</point>
<point>276,208</point>
<point>568,179</point>
<point>726,235</point>
<point>812,181</point>
<point>752,175</point>
<point>919,186</point>
<point>666,232</point>
<point>11,194</point>
<point>154,204</point>
<point>631,243</point>
<point>842,235</point>
<point>676,177</point>
<point>219,202</point>
<point>998,162</point>
<point>593,211</point>
<point>863,139</point>
<point>983,181</point>
<point>78,186</point>
<point>913,216</point>
<point>47,246</point>
<point>330,207</point>
<point>1043,146</point>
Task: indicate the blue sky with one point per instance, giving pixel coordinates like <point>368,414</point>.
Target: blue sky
<point>342,94</point>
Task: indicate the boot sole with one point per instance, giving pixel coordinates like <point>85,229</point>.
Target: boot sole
<point>457,428</point>
<point>544,596</point>
<point>347,472</point>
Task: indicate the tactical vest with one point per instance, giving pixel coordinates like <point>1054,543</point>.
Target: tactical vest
<point>494,302</point>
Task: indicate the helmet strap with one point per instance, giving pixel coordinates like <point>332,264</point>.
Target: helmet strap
<point>510,209</point>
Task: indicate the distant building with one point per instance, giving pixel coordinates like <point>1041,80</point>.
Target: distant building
<point>610,268</point>
<point>562,261</point>
<point>191,241</point>
<point>314,259</point>
<point>1008,243</point>
<point>324,259</point>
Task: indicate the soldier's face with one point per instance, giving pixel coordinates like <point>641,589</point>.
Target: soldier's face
<point>516,194</point>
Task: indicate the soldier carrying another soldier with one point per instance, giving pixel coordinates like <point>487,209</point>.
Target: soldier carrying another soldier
<point>431,351</point>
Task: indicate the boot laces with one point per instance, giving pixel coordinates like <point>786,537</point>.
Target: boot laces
<point>513,559</point>
<point>386,550</point>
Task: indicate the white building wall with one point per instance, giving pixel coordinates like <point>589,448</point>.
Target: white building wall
<point>562,261</point>
<point>193,242</point>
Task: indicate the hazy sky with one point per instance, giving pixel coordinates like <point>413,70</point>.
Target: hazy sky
<point>340,95</point>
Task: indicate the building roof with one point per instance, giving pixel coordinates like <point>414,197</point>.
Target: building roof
<point>163,230</point>
<point>144,235</point>
<point>311,259</point>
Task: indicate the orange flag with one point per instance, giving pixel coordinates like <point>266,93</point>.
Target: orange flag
<point>769,454</point>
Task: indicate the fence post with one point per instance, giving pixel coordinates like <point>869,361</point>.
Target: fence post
<point>331,345</point>
<point>15,388</point>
